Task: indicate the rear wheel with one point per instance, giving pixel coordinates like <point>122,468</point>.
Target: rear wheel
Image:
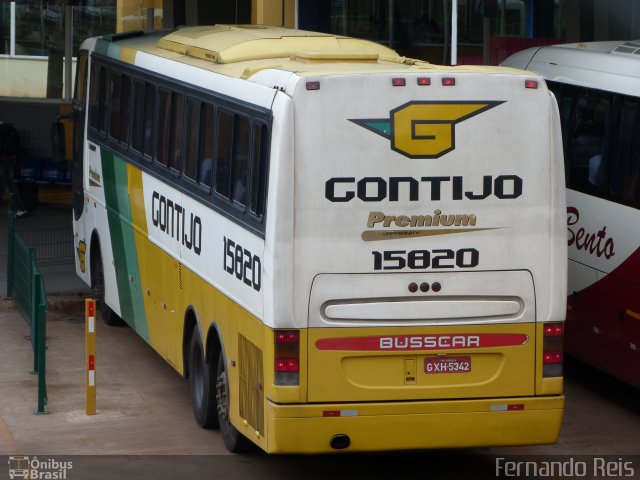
<point>202,383</point>
<point>233,439</point>
<point>109,316</point>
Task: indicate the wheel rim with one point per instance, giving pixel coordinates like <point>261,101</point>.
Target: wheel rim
<point>221,394</point>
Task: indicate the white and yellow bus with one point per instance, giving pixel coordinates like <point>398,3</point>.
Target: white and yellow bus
<point>341,248</point>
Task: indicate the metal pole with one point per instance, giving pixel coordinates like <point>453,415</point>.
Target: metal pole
<point>12,29</point>
<point>90,343</point>
<point>40,320</point>
<point>445,22</point>
<point>454,32</point>
<point>68,51</point>
<point>391,32</point>
<point>486,40</point>
<point>151,12</point>
<point>33,309</point>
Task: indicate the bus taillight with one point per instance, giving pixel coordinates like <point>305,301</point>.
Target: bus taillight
<point>552,355</point>
<point>287,357</point>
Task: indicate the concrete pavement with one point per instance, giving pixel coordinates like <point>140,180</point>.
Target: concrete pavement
<point>143,404</point>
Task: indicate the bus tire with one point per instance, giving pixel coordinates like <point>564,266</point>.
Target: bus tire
<point>202,384</point>
<point>97,267</point>
<point>232,438</point>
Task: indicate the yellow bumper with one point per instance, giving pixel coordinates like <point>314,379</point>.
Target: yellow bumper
<point>414,425</point>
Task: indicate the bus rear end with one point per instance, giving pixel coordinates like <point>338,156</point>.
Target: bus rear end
<point>429,264</point>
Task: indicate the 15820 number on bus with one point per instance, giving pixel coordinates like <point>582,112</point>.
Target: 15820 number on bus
<point>242,263</point>
<point>424,259</point>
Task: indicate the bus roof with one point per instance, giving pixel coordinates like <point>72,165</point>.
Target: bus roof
<point>243,50</point>
<point>611,66</point>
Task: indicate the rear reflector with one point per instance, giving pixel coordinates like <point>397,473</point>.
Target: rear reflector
<point>448,81</point>
<point>313,85</point>
<point>552,357</point>
<point>511,407</point>
<point>530,84</point>
<point>554,330</point>
<point>290,365</point>
<point>552,354</point>
<point>284,337</point>
<point>398,82</point>
<point>286,364</point>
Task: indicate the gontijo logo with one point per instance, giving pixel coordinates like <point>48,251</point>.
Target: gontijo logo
<point>424,129</point>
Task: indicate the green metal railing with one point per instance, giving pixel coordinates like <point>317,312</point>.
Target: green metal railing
<point>26,284</point>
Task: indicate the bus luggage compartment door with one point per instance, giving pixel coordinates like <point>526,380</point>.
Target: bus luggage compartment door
<point>470,335</point>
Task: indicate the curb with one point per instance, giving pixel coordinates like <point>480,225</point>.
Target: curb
<point>68,303</point>
<point>64,303</point>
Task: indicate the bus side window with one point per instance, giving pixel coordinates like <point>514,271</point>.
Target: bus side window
<point>224,147</point>
<point>193,137</point>
<point>94,98</point>
<point>259,169</point>
<point>240,164</point>
<point>625,158</point>
<point>564,97</point>
<point>80,93</point>
<point>177,131</point>
<point>125,108</point>
<point>149,119</point>
<point>138,116</point>
<point>587,141</point>
<point>115,92</point>
<point>207,136</point>
<point>105,99</point>
<point>164,127</point>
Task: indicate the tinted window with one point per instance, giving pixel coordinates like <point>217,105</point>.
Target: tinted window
<point>240,163</point>
<point>94,98</point>
<point>587,141</point>
<point>115,92</point>
<point>164,125</point>
<point>193,135</point>
<point>223,153</point>
<point>625,156</point>
<point>149,119</point>
<point>105,99</point>
<point>259,169</point>
<point>138,116</point>
<point>177,131</point>
<point>80,93</point>
<point>207,136</point>
<point>125,108</point>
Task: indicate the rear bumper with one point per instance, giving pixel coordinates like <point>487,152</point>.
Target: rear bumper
<point>415,425</point>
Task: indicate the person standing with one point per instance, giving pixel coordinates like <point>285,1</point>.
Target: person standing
<point>9,152</point>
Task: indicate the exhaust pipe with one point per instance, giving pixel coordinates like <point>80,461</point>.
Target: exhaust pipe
<point>340,441</point>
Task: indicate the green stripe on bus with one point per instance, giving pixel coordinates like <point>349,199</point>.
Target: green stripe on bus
<point>102,46</point>
<point>114,171</point>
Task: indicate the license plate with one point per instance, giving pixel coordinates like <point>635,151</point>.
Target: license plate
<point>447,364</point>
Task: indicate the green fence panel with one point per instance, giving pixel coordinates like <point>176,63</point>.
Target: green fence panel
<point>26,284</point>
